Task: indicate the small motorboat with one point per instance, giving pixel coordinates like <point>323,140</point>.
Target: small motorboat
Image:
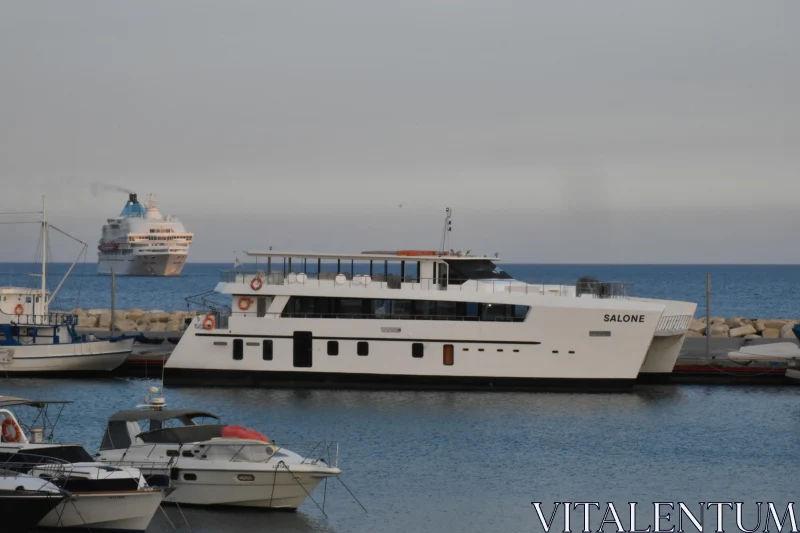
<point>101,496</point>
<point>25,500</point>
<point>213,463</point>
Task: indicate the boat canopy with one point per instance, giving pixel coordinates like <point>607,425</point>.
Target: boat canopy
<point>160,416</point>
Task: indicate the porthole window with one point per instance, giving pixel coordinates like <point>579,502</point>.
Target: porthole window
<point>333,348</point>
<point>190,477</point>
<point>417,350</point>
<point>246,477</point>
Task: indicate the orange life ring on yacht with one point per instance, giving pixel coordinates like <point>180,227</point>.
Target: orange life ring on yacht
<point>208,323</point>
<point>256,283</point>
<point>10,424</point>
<point>245,303</point>
<point>18,310</point>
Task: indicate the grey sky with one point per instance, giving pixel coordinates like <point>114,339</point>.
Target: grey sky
<point>557,131</point>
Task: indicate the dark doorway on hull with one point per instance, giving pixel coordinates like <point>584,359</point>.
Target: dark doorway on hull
<point>302,349</point>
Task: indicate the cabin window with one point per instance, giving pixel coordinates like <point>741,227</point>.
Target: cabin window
<point>172,453</point>
<point>447,355</point>
<point>599,333</point>
<point>27,299</point>
<point>187,453</point>
<point>362,348</point>
<point>333,347</point>
<point>417,350</point>
<point>238,349</point>
<point>37,299</point>
<point>246,477</point>
<point>266,350</point>
<point>190,477</point>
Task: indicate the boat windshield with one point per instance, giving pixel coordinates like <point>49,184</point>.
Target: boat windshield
<point>474,269</point>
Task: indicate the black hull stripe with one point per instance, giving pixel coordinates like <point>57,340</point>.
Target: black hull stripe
<point>377,339</point>
<point>334,380</point>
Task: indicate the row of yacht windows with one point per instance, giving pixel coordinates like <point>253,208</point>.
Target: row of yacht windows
<point>332,348</point>
<point>322,307</point>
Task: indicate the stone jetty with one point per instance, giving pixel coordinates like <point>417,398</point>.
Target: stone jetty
<point>133,320</point>
<point>747,328</point>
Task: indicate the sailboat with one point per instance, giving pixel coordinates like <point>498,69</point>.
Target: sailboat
<point>34,340</point>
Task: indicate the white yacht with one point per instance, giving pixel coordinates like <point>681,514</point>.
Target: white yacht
<point>34,340</point>
<point>99,497</point>
<point>143,242</point>
<point>423,319</point>
<point>212,463</point>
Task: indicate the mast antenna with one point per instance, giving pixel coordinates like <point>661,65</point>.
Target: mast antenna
<point>44,254</point>
<point>445,246</point>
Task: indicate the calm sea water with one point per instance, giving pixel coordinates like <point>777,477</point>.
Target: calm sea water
<point>764,291</point>
<point>474,462</point>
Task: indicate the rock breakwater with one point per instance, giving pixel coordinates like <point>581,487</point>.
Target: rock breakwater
<point>740,327</point>
<point>133,319</point>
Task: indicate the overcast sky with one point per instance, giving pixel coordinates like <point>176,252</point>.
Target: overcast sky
<point>557,131</point>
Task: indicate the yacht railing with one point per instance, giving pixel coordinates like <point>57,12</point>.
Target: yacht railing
<point>50,319</point>
<point>593,289</point>
<point>674,323</point>
<point>329,451</point>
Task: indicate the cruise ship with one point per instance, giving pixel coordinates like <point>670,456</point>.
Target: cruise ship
<point>143,242</point>
<point>423,320</point>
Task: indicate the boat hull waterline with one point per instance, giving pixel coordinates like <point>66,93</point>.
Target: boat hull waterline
<point>124,510</point>
<point>77,357</point>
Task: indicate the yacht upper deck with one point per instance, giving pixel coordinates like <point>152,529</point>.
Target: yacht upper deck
<point>412,270</point>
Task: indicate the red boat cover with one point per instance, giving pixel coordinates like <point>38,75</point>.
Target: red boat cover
<point>241,432</point>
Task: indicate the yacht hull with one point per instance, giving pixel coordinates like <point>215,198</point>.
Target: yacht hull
<point>89,356</point>
<point>106,511</point>
<point>268,490</point>
<point>339,380</point>
<point>22,510</point>
<point>559,347</point>
<point>143,265</point>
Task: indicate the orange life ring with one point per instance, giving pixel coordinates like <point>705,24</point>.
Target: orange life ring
<point>18,310</point>
<point>245,303</point>
<point>208,323</point>
<point>256,283</point>
<point>8,424</point>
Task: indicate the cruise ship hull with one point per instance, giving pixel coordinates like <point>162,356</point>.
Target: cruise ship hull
<point>144,265</point>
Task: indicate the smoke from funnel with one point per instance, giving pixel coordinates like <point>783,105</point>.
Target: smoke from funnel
<point>99,188</point>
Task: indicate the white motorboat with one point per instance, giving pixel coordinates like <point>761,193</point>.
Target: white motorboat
<point>212,463</point>
<point>775,352</point>
<point>143,242</point>
<point>100,496</point>
<point>35,341</point>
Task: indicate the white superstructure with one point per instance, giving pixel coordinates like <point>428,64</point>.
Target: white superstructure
<point>143,242</point>
<point>421,319</point>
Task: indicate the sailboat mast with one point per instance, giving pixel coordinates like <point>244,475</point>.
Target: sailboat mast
<point>44,252</point>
